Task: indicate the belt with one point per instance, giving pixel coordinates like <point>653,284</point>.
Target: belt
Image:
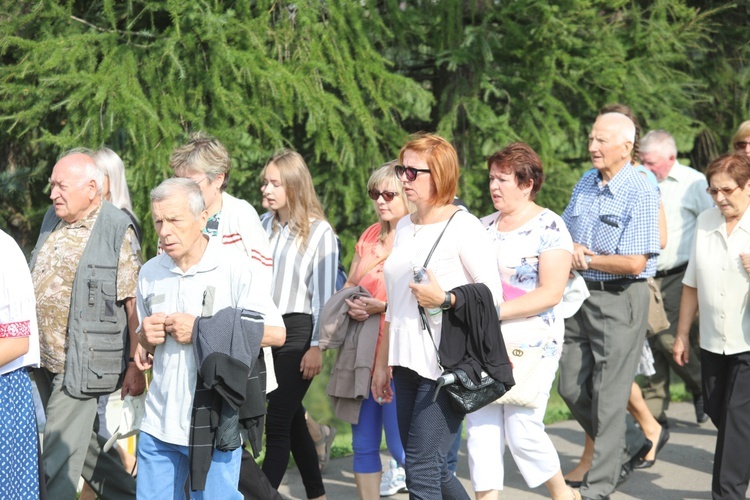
<point>670,272</point>
<point>612,285</point>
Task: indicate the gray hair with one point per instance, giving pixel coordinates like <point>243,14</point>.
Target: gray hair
<point>659,140</point>
<point>205,154</point>
<point>180,187</point>
<point>90,170</point>
<point>111,164</point>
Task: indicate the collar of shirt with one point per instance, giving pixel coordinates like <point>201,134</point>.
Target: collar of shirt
<point>743,224</point>
<point>619,181</point>
<point>210,260</point>
<point>86,222</point>
<point>677,173</point>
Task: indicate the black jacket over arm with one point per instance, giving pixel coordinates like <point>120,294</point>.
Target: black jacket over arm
<point>471,337</point>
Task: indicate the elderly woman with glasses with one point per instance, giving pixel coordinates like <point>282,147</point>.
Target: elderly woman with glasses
<point>741,138</point>
<point>428,169</point>
<point>716,282</point>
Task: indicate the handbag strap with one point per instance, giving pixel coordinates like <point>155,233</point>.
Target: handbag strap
<point>422,315</point>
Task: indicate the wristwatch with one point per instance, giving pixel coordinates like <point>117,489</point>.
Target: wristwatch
<point>447,302</point>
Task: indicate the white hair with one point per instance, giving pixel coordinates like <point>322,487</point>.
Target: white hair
<point>90,170</point>
<point>111,165</point>
<point>660,141</point>
<point>627,128</point>
<point>178,186</point>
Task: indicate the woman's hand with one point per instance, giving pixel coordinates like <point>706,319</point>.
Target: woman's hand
<point>362,308</point>
<point>312,363</point>
<point>381,385</point>
<point>681,350</point>
<point>430,295</point>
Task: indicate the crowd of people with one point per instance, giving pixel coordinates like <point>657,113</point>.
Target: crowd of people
<point>231,318</point>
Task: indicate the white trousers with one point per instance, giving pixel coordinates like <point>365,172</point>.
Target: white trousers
<point>489,429</point>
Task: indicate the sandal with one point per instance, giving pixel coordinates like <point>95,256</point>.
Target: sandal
<point>327,440</point>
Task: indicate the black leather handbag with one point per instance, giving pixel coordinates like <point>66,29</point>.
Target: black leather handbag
<point>464,395</point>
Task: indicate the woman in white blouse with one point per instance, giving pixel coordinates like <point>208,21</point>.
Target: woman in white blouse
<point>716,282</point>
<point>305,259</point>
<point>428,169</point>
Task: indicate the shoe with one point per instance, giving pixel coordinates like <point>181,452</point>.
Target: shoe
<point>327,439</point>
<point>627,468</point>
<point>573,484</point>
<point>700,415</point>
<point>393,480</point>
<point>663,438</point>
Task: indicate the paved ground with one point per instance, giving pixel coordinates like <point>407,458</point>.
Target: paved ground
<point>682,471</point>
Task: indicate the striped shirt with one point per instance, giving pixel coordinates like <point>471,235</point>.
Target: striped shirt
<point>303,280</point>
<point>618,218</point>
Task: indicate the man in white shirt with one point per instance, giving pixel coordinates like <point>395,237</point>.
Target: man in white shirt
<point>194,276</point>
<point>683,192</point>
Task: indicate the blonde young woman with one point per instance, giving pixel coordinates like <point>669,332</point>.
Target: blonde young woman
<point>305,258</point>
<point>371,250</point>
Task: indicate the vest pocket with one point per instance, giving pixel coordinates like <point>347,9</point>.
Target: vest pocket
<point>103,363</point>
<point>108,311</point>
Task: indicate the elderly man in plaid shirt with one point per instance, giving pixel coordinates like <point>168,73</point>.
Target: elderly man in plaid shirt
<point>613,219</point>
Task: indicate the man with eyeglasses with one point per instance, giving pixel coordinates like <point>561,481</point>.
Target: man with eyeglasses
<point>613,220</point>
<point>684,196</point>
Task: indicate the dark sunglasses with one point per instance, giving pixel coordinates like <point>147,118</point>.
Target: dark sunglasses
<point>411,172</point>
<point>725,191</point>
<point>741,144</point>
<point>387,195</point>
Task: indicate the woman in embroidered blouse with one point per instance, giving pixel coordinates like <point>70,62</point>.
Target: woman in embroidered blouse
<point>534,251</point>
<point>19,349</point>
<point>305,257</point>
<point>716,282</point>
<point>429,172</point>
<point>366,270</point>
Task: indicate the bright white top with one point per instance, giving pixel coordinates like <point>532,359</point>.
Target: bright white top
<point>163,287</point>
<point>464,255</point>
<point>518,253</point>
<point>716,271</point>
<point>683,193</point>
<point>17,303</point>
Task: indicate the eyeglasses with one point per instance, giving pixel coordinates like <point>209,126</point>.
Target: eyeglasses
<point>387,195</point>
<point>411,172</point>
<point>741,144</point>
<point>725,191</point>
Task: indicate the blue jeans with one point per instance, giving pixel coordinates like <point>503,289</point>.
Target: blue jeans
<point>163,471</point>
<point>366,435</point>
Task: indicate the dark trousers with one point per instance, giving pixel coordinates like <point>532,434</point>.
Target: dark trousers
<point>286,428</point>
<point>726,395</point>
<point>254,485</point>
<point>656,387</point>
<point>428,430</point>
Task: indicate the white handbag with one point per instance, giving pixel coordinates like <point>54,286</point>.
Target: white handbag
<point>528,377</point>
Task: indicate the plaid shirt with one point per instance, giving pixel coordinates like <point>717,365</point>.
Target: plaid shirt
<point>619,218</point>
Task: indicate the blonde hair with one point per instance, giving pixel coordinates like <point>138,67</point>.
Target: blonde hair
<point>111,165</point>
<point>742,131</point>
<point>301,200</point>
<point>386,174</point>
<point>205,154</point>
<point>442,160</point>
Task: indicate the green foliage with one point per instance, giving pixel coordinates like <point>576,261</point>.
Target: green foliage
<point>344,83</point>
